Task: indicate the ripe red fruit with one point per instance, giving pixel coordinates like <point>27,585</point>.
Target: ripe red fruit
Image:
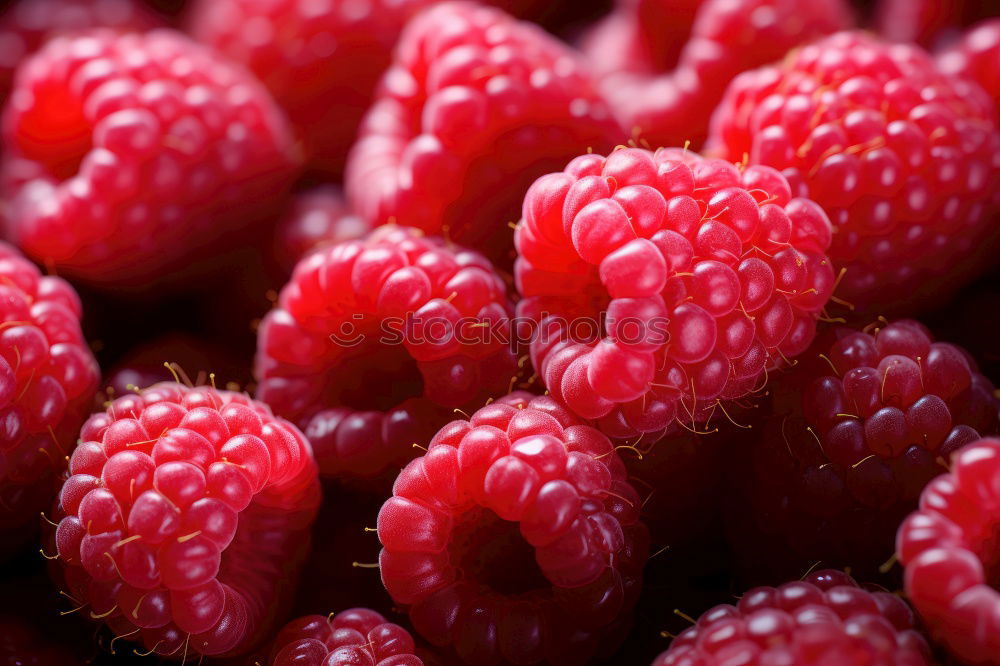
<point>663,283</point>
<point>949,549</point>
<point>515,538</point>
<point>475,107</point>
<point>316,217</point>
<point>823,620</point>
<point>352,637</point>
<point>849,440</point>
<point>26,24</point>
<point>47,379</point>
<point>129,155</point>
<point>905,160</point>
<point>187,514</point>
<point>373,338</point>
<point>665,63</point>
<point>976,56</point>
<point>927,22</point>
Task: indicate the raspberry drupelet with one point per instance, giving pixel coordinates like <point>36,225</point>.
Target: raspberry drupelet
<point>664,64</point>
<point>26,24</point>
<point>127,157</point>
<point>352,637</point>
<point>475,106</point>
<point>949,549</point>
<point>823,620</point>
<point>905,161</point>
<point>187,515</point>
<point>515,538</point>
<point>316,217</point>
<point>663,283</point>
<point>47,379</point>
<point>375,341</point>
<point>976,56</point>
<point>850,438</point>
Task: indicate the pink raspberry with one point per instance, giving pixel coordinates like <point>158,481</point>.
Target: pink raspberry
<point>905,160</point>
<point>187,514</point>
<point>515,538</point>
<point>976,56</point>
<point>317,217</point>
<point>850,439</point>
<point>949,548</point>
<point>663,283</point>
<point>823,620</point>
<point>665,63</point>
<point>926,22</point>
<point>371,337</point>
<point>352,637</point>
<point>475,106</point>
<point>47,379</point>
<point>129,155</point>
<point>26,24</point>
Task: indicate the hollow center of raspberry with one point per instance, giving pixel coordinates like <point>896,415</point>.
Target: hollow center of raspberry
<point>378,377</point>
<point>491,552</point>
<point>54,131</point>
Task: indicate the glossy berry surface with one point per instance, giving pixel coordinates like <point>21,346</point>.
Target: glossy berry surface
<point>126,155</point>
<point>475,106</point>
<point>663,283</point>
<point>26,24</point>
<point>825,619</point>
<point>515,538</point>
<point>905,160</point>
<point>316,218</point>
<point>47,378</point>
<point>849,440</point>
<point>665,63</point>
<point>186,515</point>
<point>381,332</point>
<point>976,56</point>
<point>354,637</point>
<point>949,549</point>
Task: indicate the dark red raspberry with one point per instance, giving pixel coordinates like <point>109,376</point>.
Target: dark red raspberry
<point>515,538</point>
<point>26,24</point>
<point>665,63</point>
<point>823,620</point>
<point>851,438</point>
<point>475,107</point>
<point>663,283</point>
<point>317,217</point>
<point>950,550</point>
<point>47,379</point>
<point>187,514</point>
<point>905,160</point>
<point>976,56</point>
<point>353,637</point>
<point>376,335</point>
<point>129,154</point>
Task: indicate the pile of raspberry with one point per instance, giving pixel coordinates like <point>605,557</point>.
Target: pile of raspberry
<point>662,284</point>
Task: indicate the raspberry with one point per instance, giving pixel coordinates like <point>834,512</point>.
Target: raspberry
<point>515,538</point>
<point>826,619</point>
<point>662,283</point>
<point>316,218</point>
<point>664,89</point>
<point>354,636</point>
<point>852,437</point>
<point>187,513</point>
<point>371,335</point>
<point>905,161</point>
<point>976,56</point>
<point>26,24</point>
<point>475,107</point>
<point>129,154</point>
<point>47,379</point>
<point>949,548</point>
<point>926,21</point>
